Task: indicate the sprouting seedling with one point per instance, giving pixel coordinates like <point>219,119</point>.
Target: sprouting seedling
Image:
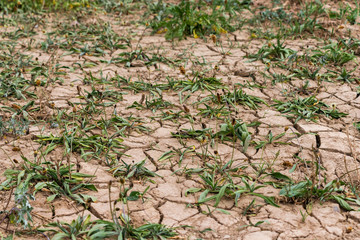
<point>307,108</point>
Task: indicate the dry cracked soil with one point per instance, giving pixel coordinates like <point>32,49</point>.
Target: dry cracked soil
<point>162,105</point>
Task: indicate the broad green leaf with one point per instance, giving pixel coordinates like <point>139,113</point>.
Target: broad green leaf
<point>269,200</point>
<point>192,190</point>
<point>342,203</point>
<point>280,176</point>
<point>221,194</point>
<point>51,198</point>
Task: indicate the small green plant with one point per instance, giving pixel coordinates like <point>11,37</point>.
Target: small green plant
<point>333,53</point>
<point>170,115</point>
<point>21,212</point>
<point>345,12</point>
<point>213,112</point>
<point>275,15</point>
<point>307,108</point>
<point>83,227</point>
<point>311,72</point>
<point>21,112</point>
<point>218,188</point>
<point>279,77</point>
<point>272,52</point>
<point>349,43</point>
<point>135,170</point>
<point>13,126</point>
<point>200,83</point>
<point>357,125</point>
<point>233,131</point>
<point>270,139</point>
<point>154,104</point>
<point>14,84</point>
<point>307,191</point>
<point>238,96</point>
<point>306,25</point>
<point>345,76</point>
<point>61,180</point>
<point>122,125</point>
<point>190,18</point>
<point>89,146</point>
<point>140,54</point>
<point>194,134</point>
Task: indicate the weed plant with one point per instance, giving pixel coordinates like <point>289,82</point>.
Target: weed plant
<point>190,18</point>
<point>307,108</point>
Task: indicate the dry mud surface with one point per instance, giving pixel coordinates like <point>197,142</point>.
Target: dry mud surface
<point>331,143</point>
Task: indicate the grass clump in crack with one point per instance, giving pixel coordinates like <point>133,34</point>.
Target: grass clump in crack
<point>308,108</point>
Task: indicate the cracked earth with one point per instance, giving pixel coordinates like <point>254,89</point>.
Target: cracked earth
<point>332,143</point>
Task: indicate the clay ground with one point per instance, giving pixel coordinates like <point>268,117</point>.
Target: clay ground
<point>147,92</point>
